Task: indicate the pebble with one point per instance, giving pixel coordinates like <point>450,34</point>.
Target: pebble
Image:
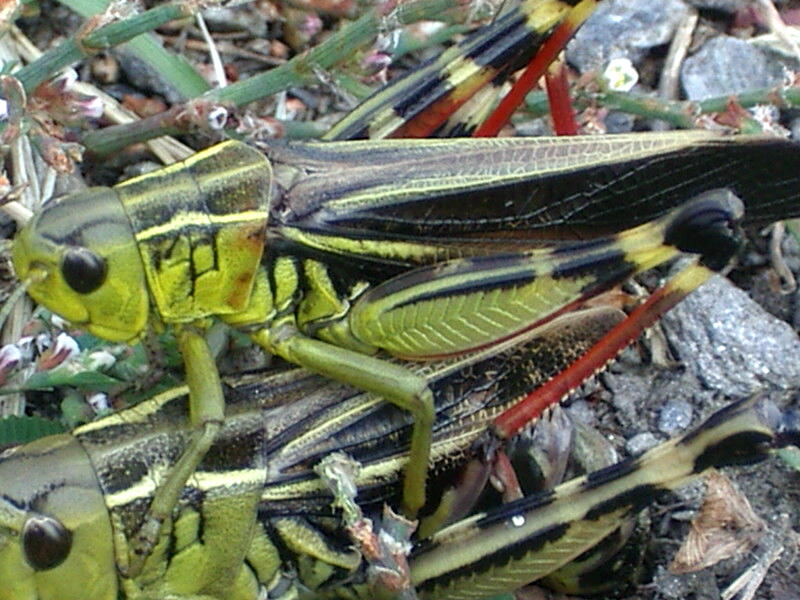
<point>624,29</point>
<point>232,18</point>
<point>675,417</point>
<point>727,65</point>
<point>583,412</point>
<point>144,77</point>
<point>731,344</point>
<point>641,443</point>
<point>619,122</point>
<point>700,585</point>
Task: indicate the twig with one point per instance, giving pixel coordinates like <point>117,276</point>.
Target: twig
<point>216,61</point>
<point>90,41</point>
<point>299,70</point>
<point>668,84</point>
<point>749,581</point>
<point>788,282</point>
<point>226,48</point>
<point>682,115</point>
<point>166,149</point>
<point>777,26</point>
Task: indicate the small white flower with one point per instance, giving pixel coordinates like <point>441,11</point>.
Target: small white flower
<point>66,344</point>
<point>217,117</point>
<point>43,341</point>
<point>25,345</point>
<point>66,79</point>
<point>10,356</point>
<point>98,402</point>
<point>92,107</point>
<point>621,75</point>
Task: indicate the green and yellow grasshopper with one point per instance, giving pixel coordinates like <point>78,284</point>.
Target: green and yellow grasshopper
<point>256,521</point>
<point>281,246</point>
<point>328,253</point>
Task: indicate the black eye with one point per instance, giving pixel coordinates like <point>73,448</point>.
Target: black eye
<point>45,542</point>
<point>83,270</point>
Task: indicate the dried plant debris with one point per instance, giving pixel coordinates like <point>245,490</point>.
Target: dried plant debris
<point>725,527</point>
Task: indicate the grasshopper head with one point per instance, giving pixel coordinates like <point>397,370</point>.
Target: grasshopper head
<point>80,257</point>
<point>55,535</point>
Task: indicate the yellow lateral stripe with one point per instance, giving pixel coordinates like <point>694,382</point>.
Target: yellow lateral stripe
<point>136,415</point>
<point>179,168</point>
<point>201,480</point>
<point>189,218</point>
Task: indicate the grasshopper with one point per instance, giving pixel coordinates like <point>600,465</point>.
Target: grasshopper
<point>327,254</point>
<point>136,257</point>
<point>255,520</point>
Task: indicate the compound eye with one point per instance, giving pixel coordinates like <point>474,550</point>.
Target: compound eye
<point>83,270</point>
<point>45,542</point>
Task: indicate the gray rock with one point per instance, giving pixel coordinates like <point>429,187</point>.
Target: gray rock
<point>619,122</point>
<point>640,443</point>
<point>675,416</point>
<point>144,77</point>
<point>234,18</point>
<point>701,585</point>
<point>582,412</point>
<point>634,390</point>
<point>727,65</point>
<point>630,391</point>
<point>624,28</point>
<point>730,343</point>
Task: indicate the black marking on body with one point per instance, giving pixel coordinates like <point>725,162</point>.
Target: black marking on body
<point>235,449</point>
<point>743,448</point>
<point>635,499</point>
<point>190,239</point>
<point>199,499</point>
<point>498,44</point>
<point>599,265</point>
<point>716,419</point>
<point>352,267</point>
<point>172,544</point>
<point>511,553</point>
<point>411,105</point>
<point>519,46</point>
<point>168,252</point>
<point>65,220</point>
<point>522,506</point>
<point>492,46</point>
<point>486,284</point>
<point>120,477</point>
<point>75,236</point>
<point>481,267</point>
<point>145,215</point>
<point>610,473</point>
